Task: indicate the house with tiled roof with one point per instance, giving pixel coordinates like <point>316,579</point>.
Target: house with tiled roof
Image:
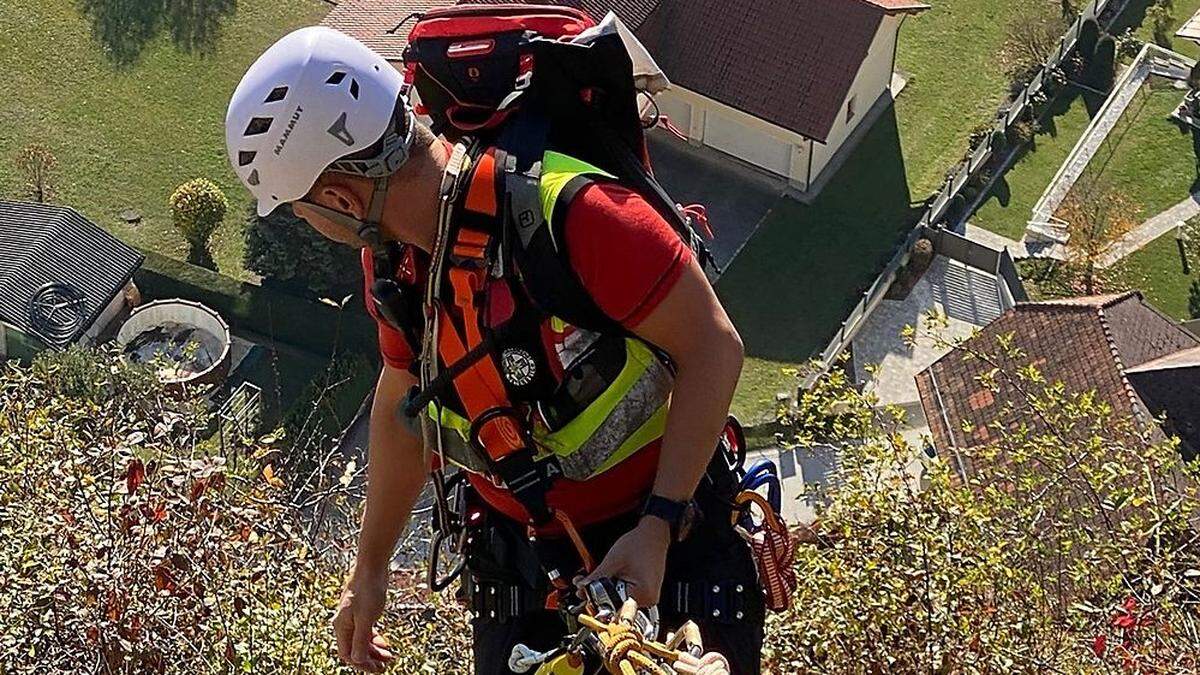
<point>63,279</point>
<point>782,85</point>
<point>1138,360</point>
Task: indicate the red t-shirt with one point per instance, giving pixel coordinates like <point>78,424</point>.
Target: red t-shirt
<point>628,258</point>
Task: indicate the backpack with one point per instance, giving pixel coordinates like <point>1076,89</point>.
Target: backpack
<point>524,78</point>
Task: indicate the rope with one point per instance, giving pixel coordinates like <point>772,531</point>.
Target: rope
<point>626,651</point>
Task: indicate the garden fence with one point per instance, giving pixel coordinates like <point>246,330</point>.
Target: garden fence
<point>937,213</point>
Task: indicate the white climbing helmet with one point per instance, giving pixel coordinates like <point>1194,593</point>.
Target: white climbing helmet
<point>316,101</point>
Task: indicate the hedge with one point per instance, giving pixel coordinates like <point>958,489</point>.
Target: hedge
<point>21,346</point>
<point>305,324</point>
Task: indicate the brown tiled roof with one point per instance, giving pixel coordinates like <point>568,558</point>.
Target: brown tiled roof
<point>790,63</point>
<point>1085,343</point>
<point>372,20</point>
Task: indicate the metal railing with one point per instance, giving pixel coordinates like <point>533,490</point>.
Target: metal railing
<point>240,414</point>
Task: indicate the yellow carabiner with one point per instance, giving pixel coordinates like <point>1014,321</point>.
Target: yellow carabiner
<point>565,664</point>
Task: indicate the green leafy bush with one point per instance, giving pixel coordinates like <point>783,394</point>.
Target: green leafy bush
<point>1064,543</point>
<point>1161,17</point>
<point>198,207</point>
<point>130,544</point>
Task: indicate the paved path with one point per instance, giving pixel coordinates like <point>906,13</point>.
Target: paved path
<point>997,241</point>
<point>1153,229</point>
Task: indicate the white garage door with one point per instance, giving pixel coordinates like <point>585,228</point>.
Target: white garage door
<point>747,143</point>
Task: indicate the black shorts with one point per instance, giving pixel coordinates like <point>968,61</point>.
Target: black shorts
<point>710,579</point>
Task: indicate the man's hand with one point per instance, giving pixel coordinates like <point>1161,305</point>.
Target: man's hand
<point>360,607</point>
<point>639,558</point>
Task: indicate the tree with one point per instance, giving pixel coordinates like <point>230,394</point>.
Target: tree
<point>39,169</point>
<point>1162,19</point>
<point>1032,36</point>
<point>1089,35</point>
<point>285,250</point>
<point>1097,218</point>
<point>1041,550</point>
<point>198,207</point>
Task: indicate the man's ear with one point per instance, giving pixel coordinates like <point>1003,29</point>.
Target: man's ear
<point>339,196</point>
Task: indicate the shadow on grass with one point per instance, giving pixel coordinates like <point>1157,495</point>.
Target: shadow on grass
<point>1132,16</point>
<point>125,27</point>
<point>807,266</point>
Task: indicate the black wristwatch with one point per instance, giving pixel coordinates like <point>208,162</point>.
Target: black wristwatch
<point>681,516</point>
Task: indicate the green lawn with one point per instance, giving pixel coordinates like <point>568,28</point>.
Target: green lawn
<point>956,84</point>
<point>808,265</point>
<point>1146,157</point>
<point>1010,203</point>
<point>806,268</point>
<point>1158,272</point>
<point>130,121</point>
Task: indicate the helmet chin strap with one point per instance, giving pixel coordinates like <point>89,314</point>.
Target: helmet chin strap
<point>369,230</point>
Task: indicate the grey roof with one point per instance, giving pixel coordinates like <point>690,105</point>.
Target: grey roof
<point>43,244</point>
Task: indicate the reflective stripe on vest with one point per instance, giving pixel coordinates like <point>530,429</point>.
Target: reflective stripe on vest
<point>628,415</point>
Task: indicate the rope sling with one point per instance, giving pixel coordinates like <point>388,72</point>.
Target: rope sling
<point>626,651</point>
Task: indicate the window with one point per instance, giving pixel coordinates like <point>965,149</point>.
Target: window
<point>850,108</point>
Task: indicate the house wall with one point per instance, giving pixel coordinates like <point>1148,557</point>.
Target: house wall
<point>114,308</point>
<point>873,80</point>
<point>3,344</point>
<point>782,152</point>
<point>733,132</point>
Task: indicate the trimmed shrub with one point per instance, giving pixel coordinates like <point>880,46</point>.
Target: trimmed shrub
<point>198,207</point>
<point>1089,36</point>
<point>957,208</point>
<point>999,142</point>
<point>1102,69</point>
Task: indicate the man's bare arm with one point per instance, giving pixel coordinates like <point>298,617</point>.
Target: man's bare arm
<point>691,326</point>
<point>395,475</point>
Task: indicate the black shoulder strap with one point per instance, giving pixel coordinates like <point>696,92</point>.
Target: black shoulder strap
<point>537,246</point>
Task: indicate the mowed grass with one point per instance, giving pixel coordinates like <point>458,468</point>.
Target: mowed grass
<point>126,135</point>
<point>799,277</point>
<point>1010,201</point>
<point>1150,161</point>
<point>956,84</point>
<point>1146,157</point>
<point>807,266</point>
<point>1158,271</point>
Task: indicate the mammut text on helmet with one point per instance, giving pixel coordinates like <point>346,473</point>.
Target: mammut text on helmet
<point>288,131</point>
